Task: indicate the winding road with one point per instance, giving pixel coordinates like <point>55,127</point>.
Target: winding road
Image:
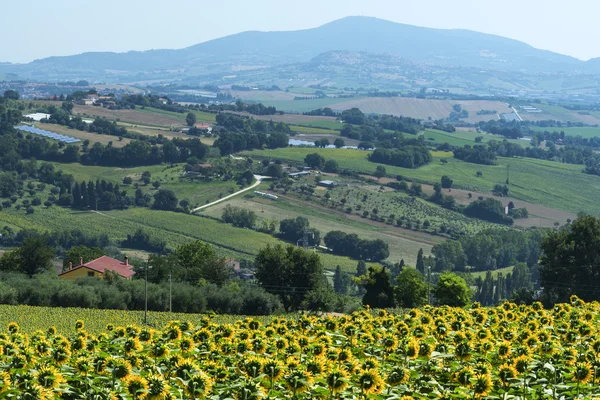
<point>259,179</point>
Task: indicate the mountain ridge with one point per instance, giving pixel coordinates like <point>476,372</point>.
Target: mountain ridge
<point>449,47</point>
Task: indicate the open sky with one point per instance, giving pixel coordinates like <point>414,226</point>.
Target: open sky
<point>34,29</point>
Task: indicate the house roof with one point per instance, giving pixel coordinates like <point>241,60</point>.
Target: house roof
<point>104,264</point>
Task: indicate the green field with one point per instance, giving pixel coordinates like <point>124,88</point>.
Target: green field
<point>173,228</point>
<point>583,131</point>
<point>495,272</point>
<point>401,247</point>
<point>461,138</point>
<point>196,192</point>
<point>313,130</point>
<point>553,184</point>
<point>200,115</point>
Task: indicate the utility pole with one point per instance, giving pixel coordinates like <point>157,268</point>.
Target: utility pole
<point>170,294</point>
<point>429,285</point>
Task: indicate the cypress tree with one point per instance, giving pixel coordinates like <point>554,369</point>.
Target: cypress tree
<point>420,264</point>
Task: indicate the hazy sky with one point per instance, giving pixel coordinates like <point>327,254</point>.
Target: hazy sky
<point>34,29</point>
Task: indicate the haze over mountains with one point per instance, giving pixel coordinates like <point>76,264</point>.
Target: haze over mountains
<point>254,50</point>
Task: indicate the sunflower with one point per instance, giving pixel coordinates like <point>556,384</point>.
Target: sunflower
<point>13,327</point>
<point>504,350</point>
<point>370,382</point>
<point>158,389</point>
<point>463,376</point>
<point>506,373</point>
<point>48,377</point>
<point>250,390</point>
<point>185,368</point>
<point>582,372</point>
<point>119,368</point>
<point>337,380</point>
<point>298,381</point>
<point>137,387</point>
<point>397,376</point>
<point>273,369</point>
<point>132,344</point>
<point>463,351</point>
<point>252,367</point>
<point>4,381</point>
<point>61,355</point>
<point>199,384</point>
<point>79,325</point>
<point>412,349</point>
<point>482,385</point>
<point>316,366</point>
<point>521,363</point>
<point>569,356</point>
<point>37,392</point>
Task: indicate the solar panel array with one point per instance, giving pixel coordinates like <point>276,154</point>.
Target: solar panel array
<point>48,134</point>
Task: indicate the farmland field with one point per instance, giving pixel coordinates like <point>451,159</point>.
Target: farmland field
<point>555,185</point>
<point>83,135</point>
<point>583,131</point>
<point>197,192</point>
<point>399,106</point>
<point>174,228</point>
<point>314,121</point>
<point>400,243</point>
<point>508,351</point>
<point>463,137</point>
<point>559,113</point>
<point>149,117</point>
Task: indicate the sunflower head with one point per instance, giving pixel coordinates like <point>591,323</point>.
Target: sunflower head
<point>370,382</point>
<point>482,385</point>
<point>158,389</point>
<point>397,376</point>
<point>137,387</point>
<point>582,372</point>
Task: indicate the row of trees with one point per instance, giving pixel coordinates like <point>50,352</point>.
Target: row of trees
<point>352,246</point>
<point>242,133</point>
<point>409,156</point>
<point>489,250</point>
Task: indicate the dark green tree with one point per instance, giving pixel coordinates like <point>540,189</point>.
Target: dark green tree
<point>380,171</point>
<point>411,289</point>
<point>75,255</point>
<point>199,261</point>
<point>32,257</point>
<point>165,200</point>
<point>340,282</point>
<point>190,119</point>
<point>452,290</point>
<point>379,292</point>
<point>446,182</point>
<point>570,261</point>
<point>420,263</point>
<point>290,272</point>
<point>314,160</point>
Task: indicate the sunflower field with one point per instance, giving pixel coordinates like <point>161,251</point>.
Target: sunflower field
<point>509,351</point>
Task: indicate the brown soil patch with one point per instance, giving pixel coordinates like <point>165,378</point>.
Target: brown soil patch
<point>131,116</point>
<point>83,135</point>
<point>288,118</point>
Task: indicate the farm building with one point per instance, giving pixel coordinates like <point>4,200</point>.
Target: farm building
<point>298,174</point>
<point>38,116</point>
<point>97,268</point>
<point>328,184</point>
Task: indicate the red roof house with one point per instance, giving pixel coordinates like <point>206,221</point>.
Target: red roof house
<point>98,267</point>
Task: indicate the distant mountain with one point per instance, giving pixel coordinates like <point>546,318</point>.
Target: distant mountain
<point>454,48</point>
